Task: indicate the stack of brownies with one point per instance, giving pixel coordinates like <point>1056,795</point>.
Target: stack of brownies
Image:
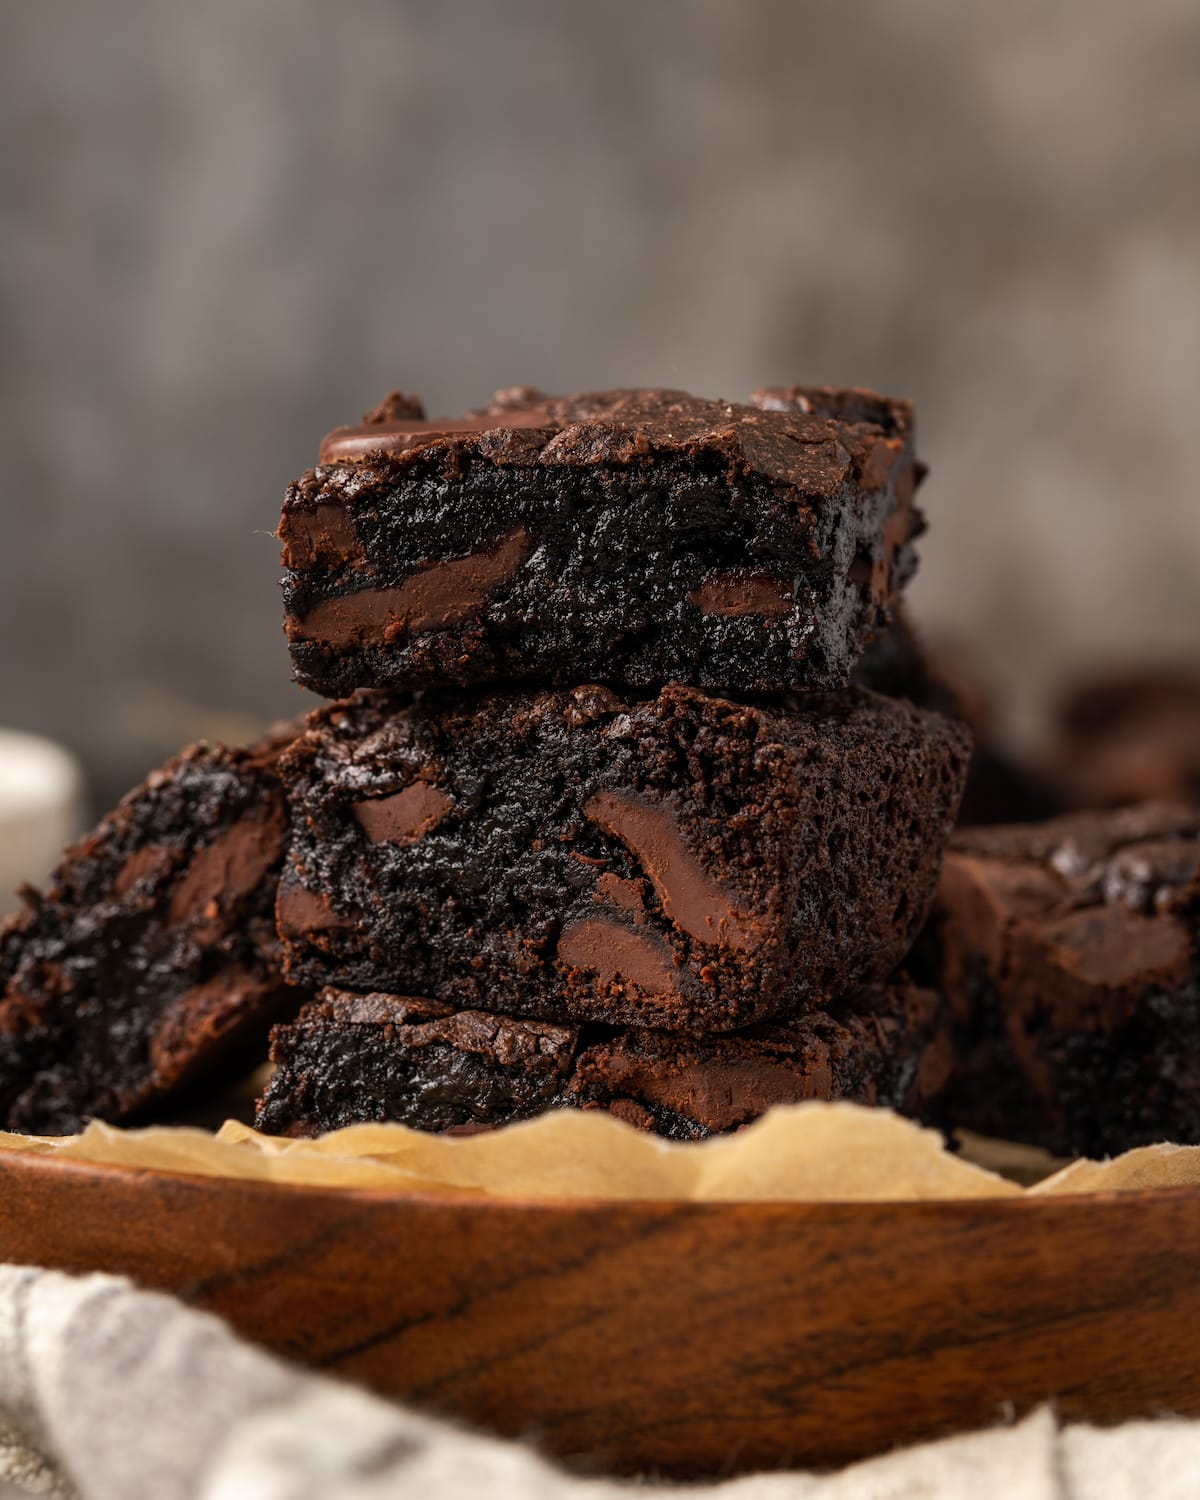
<point>597,819</point>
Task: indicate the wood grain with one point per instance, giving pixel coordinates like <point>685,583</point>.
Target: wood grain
<point>685,1338</point>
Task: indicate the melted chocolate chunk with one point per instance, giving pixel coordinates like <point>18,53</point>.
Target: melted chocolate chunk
<point>735,594</point>
<point>633,964</point>
<point>404,817</point>
<point>695,903</point>
<point>437,596</point>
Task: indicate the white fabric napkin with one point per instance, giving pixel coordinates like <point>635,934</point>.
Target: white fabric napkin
<point>109,1393</point>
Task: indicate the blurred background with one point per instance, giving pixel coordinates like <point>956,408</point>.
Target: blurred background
<point>228,227</point>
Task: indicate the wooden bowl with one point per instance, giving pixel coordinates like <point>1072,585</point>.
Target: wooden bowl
<point>687,1339</point>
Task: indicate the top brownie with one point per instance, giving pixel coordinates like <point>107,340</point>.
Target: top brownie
<point>630,537</point>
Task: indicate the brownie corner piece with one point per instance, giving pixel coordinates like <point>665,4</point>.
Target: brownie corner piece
<point>680,861</point>
<point>152,957</point>
<point>1070,953</point>
<point>636,537</point>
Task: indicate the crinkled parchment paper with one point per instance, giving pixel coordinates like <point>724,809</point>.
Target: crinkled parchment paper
<point>799,1153</point>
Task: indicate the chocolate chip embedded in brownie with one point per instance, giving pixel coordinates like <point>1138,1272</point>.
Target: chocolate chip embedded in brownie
<point>1131,737</point>
<point>1069,951</point>
<point>631,537</point>
<point>680,861</point>
<point>349,1058</point>
<point>152,957</point>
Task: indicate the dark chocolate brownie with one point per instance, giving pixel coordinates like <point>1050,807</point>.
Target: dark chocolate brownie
<point>1001,788</point>
<point>153,954</point>
<point>628,537</point>
<point>349,1058</point>
<point>1131,737</point>
<point>1069,954</point>
<point>680,861</point>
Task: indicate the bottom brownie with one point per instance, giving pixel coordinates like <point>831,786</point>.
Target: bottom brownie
<point>349,1058</point>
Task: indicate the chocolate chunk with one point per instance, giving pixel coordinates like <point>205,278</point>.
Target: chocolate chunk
<point>404,817</point>
<point>693,902</point>
<point>301,912</point>
<point>319,538</point>
<point>223,874</point>
<point>631,962</point>
<point>734,594</point>
<point>437,596</point>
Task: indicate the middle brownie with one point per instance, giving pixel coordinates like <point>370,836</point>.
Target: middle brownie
<point>678,861</point>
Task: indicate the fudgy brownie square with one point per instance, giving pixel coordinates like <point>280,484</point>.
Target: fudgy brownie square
<point>1069,953</point>
<point>349,1058</point>
<point>629,537</point>
<point>678,861</point>
<point>152,956</point>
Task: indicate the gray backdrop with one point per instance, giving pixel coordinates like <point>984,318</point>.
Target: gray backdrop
<point>229,226</point>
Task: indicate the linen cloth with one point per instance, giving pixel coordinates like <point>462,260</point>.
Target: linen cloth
<point>110,1393</point>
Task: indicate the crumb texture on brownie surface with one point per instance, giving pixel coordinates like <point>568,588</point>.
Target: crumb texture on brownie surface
<point>1071,953</point>
<point>635,537</point>
<point>153,956</point>
<point>349,1058</point>
<point>679,861</point>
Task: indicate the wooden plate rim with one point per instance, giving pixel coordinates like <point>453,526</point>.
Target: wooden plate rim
<point>35,1164</point>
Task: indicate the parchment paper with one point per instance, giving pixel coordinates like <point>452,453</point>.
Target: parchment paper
<point>798,1153</point>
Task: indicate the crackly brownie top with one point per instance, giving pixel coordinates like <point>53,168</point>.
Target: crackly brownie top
<point>813,438</point>
<point>1088,904</point>
<point>1144,857</point>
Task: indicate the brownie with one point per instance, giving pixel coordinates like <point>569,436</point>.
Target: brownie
<point>628,537</point>
<point>152,957</point>
<point>349,1058</point>
<point>1069,954</point>
<point>1001,787</point>
<point>679,861</point>
<point>1131,737</point>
